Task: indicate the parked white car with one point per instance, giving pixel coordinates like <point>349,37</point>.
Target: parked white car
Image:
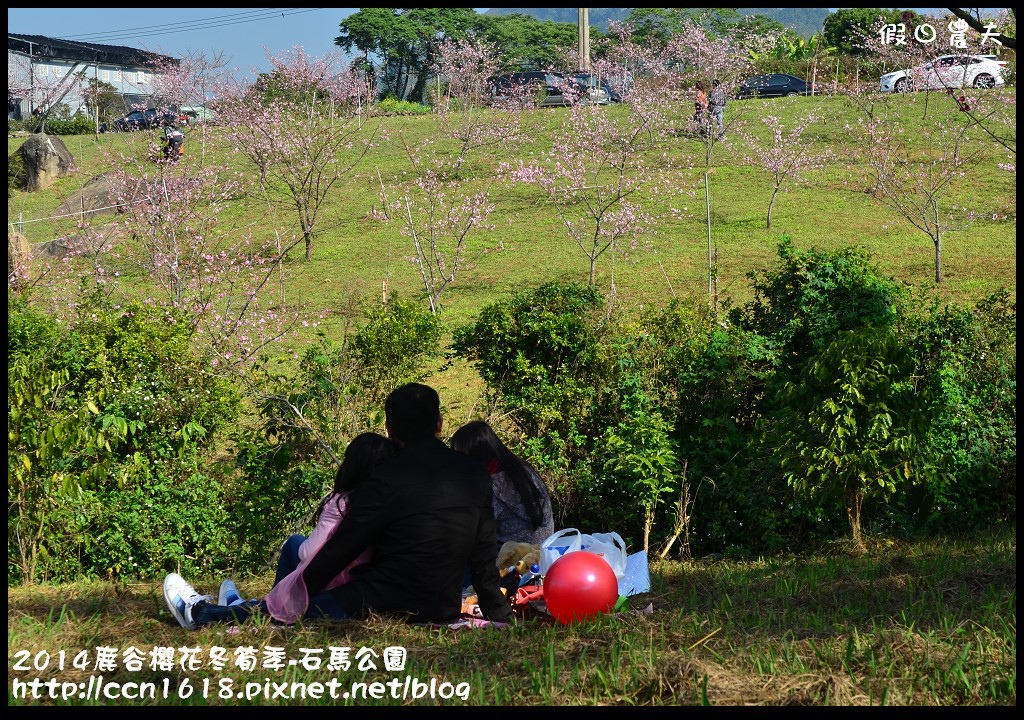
<point>947,71</point>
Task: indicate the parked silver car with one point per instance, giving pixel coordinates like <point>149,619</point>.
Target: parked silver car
<point>545,89</point>
<point>947,71</point>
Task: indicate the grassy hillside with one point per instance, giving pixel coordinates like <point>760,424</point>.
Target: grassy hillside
<point>831,210</point>
<point>354,254</point>
<point>908,623</point>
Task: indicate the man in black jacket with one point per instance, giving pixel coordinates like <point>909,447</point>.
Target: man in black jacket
<point>427,514</point>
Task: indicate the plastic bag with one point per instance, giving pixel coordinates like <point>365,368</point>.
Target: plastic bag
<point>611,547</point>
<point>557,545</point>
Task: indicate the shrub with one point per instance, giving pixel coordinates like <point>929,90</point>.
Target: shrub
<point>78,125</point>
<point>636,469</point>
<point>169,517</point>
<point>109,402</point>
<point>539,354</point>
<point>393,106</point>
<point>851,424</point>
<point>968,366</point>
<point>393,345</point>
<point>802,305</point>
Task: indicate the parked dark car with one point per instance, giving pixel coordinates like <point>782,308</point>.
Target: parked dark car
<point>774,85</point>
<point>141,120</point>
<point>548,89</point>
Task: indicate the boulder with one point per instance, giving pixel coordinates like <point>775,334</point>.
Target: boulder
<point>92,199</point>
<point>45,159</point>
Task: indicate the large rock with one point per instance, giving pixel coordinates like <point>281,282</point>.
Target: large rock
<point>45,159</point>
<point>92,199</point>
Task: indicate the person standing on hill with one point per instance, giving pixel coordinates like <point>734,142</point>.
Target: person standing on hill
<point>716,103</point>
<point>700,107</point>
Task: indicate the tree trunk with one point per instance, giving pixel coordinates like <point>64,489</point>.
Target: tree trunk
<point>419,88</point>
<point>707,206</point>
<point>853,513</point>
<point>771,203</point>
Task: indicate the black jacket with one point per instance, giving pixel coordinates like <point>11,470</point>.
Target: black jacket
<point>427,514</point>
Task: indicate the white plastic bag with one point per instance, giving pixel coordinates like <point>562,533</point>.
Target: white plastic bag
<point>557,545</point>
<point>611,547</point>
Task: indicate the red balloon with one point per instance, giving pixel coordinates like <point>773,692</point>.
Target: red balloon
<point>579,585</point>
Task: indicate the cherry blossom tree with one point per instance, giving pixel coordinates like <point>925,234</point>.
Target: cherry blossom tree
<point>44,93</point>
<point>466,66</point>
<point>916,183</point>
<point>188,82</point>
<point>298,125</point>
<point>438,215</point>
<point>664,94</point>
<point>785,156</point>
<point>914,48</point>
<point>606,194</point>
<point>170,247</point>
<point>921,186</point>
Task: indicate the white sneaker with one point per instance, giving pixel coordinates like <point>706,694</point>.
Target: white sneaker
<point>229,594</point>
<point>180,598</point>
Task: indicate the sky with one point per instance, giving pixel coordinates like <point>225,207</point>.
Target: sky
<point>241,33</point>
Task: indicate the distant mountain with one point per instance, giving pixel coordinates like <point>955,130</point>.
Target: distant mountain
<point>804,21</point>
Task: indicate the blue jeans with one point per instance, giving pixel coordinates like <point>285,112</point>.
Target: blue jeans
<point>322,606</point>
<point>718,112</point>
<point>289,559</point>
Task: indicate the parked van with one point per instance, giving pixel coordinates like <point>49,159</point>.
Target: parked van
<point>547,89</point>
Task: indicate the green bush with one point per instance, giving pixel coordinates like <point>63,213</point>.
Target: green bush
<point>799,307</point>
<point>394,344</point>
<point>111,401</point>
<point>169,517</point>
<point>538,352</point>
<point>274,496</point>
<point>968,366</point>
<point>393,106</point>
<point>636,468</point>
<point>540,355</point>
<point>851,424</point>
<point>78,125</point>
<point>825,397</point>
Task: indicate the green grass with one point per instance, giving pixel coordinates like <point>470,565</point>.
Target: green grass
<point>910,623</point>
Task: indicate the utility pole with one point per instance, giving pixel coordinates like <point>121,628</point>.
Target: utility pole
<point>584,28</point>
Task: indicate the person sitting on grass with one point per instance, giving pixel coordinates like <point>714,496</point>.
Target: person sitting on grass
<point>428,508</point>
<point>289,600</point>
<point>428,515</point>
<point>522,504</point>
